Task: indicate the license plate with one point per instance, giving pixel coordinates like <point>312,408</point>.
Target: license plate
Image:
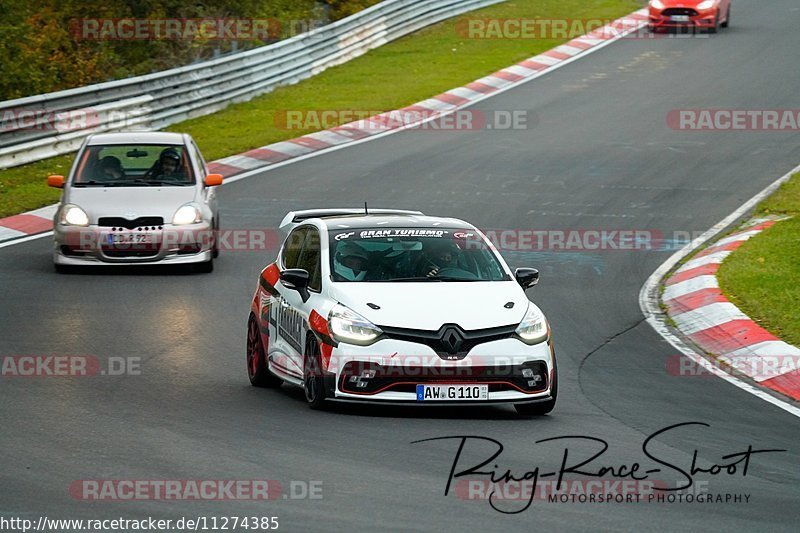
<point>452,392</point>
<point>130,238</point>
<point>680,18</point>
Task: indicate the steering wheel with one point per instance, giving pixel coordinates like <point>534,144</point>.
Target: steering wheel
<point>453,272</point>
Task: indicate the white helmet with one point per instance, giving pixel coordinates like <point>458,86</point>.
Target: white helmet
<point>350,261</point>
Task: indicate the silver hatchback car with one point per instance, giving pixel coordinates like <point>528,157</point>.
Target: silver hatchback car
<point>137,198</point>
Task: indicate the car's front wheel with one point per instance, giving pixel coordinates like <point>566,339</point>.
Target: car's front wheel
<point>727,18</point>
<point>313,383</point>
<point>215,230</point>
<point>206,267</point>
<point>715,27</point>
<point>257,370</point>
<point>63,269</point>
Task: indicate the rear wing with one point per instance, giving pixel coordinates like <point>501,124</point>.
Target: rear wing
<point>293,218</point>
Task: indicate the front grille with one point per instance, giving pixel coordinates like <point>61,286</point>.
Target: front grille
<point>671,11</point>
<point>120,222</point>
<point>405,378</point>
<point>450,341</point>
<point>73,251</point>
<point>129,253</point>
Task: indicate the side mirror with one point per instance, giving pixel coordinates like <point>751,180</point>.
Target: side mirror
<point>526,277</point>
<point>212,180</point>
<point>56,181</point>
<point>296,279</point>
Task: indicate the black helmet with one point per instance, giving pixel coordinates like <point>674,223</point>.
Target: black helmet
<point>170,153</point>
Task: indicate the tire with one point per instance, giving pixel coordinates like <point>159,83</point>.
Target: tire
<point>727,19</point>
<point>63,269</point>
<point>257,370</point>
<point>540,408</point>
<point>313,383</point>
<point>206,267</point>
<point>715,28</point>
<point>215,229</point>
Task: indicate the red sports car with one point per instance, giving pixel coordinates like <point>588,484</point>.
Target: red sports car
<point>690,14</point>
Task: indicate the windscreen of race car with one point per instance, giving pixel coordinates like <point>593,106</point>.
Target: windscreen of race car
<point>412,254</point>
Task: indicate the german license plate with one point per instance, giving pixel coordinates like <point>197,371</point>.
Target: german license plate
<point>452,392</point>
<point>130,238</point>
<point>679,18</point>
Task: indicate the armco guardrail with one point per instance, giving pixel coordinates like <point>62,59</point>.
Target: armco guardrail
<point>156,100</point>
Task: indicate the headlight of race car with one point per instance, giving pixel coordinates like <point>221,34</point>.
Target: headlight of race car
<point>187,214</point>
<point>533,328</point>
<point>657,4</point>
<point>708,4</point>
<point>348,326</point>
<point>72,215</point>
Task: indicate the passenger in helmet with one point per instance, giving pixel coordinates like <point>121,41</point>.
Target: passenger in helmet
<point>169,165</point>
<point>350,262</point>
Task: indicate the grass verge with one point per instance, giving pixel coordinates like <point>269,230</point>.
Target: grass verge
<point>395,75</point>
<point>762,277</point>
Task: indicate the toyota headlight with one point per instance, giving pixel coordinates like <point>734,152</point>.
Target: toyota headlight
<point>72,215</point>
<point>533,328</point>
<point>708,4</point>
<point>187,214</point>
<point>657,4</point>
<point>348,326</point>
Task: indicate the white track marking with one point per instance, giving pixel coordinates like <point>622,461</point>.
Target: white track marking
<point>649,301</point>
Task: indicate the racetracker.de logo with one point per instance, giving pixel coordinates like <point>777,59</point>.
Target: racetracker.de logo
<point>178,29</point>
<point>31,119</point>
<point>193,489</point>
<point>416,118</point>
<point>761,366</point>
<point>734,119</point>
<point>557,29</point>
<point>550,491</point>
<point>49,366</point>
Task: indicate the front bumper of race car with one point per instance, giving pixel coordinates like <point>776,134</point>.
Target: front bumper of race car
<point>164,244</point>
<point>396,372</point>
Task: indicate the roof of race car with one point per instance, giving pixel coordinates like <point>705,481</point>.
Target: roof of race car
<point>392,221</point>
<point>137,137</point>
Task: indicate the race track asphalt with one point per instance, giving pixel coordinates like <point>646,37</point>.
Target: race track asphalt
<point>599,155</point>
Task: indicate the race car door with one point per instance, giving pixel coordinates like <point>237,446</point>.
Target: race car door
<point>293,325</point>
<point>284,320</point>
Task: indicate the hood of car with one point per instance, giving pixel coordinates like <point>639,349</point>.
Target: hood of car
<point>429,305</point>
<point>130,202</point>
<point>681,3</point>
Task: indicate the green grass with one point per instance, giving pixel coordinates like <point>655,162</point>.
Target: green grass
<point>400,73</point>
<point>763,276</point>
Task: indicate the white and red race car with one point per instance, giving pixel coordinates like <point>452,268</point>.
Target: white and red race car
<point>397,307</point>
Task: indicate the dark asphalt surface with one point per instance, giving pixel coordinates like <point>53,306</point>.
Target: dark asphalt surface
<point>599,157</point>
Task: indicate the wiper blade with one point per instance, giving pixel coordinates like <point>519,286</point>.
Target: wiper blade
<point>414,278</point>
<point>161,182</point>
<point>452,278</point>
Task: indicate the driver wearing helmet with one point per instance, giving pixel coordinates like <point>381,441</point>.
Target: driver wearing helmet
<point>350,262</point>
<point>111,168</point>
<point>169,165</point>
<point>438,255</point>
